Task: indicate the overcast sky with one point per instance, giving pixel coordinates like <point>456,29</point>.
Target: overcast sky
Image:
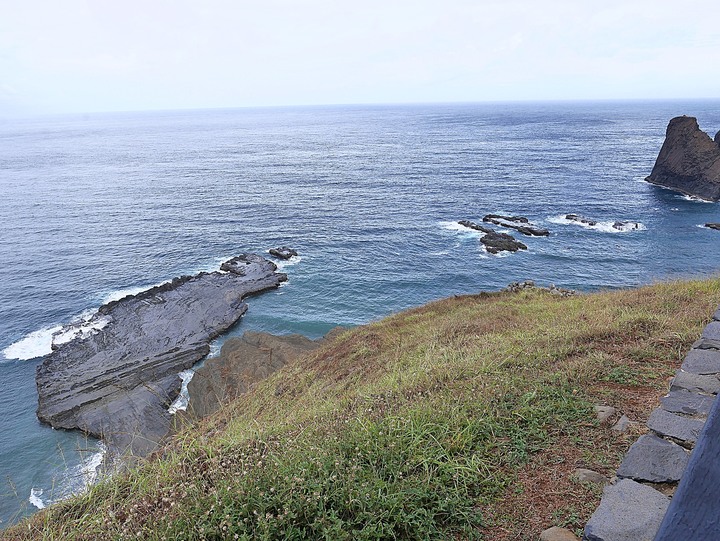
<point>106,55</point>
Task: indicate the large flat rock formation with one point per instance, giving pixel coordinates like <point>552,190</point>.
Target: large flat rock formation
<point>117,383</point>
<point>689,160</point>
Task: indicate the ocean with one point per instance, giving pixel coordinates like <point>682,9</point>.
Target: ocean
<point>97,206</point>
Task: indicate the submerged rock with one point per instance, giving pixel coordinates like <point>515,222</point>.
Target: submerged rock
<point>283,252</point>
<point>689,161</point>
<point>117,383</point>
<point>519,223</point>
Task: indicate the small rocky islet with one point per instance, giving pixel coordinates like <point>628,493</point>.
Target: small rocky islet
<point>620,225</point>
<point>283,252</point>
<point>496,242</point>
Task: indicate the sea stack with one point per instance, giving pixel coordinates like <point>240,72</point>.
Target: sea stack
<point>689,160</point>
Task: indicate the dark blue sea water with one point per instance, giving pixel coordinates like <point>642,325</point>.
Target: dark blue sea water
<point>100,204</point>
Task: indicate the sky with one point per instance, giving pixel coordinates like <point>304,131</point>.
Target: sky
<point>109,55</point>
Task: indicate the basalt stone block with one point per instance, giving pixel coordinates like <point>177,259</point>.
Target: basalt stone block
<point>628,511</point>
<point>655,460</point>
<point>712,331</point>
<point>695,383</point>
<point>702,361</point>
<point>706,343</point>
<point>675,426</point>
<point>687,403</point>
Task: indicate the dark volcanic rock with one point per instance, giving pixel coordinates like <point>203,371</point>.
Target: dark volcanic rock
<point>117,383</point>
<point>655,460</point>
<point>241,363</point>
<point>625,225</point>
<point>580,219</point>
<point>687,403</point>
<point>501,242</point>
<point>476,227</point>
<point>519,223</point>
<point>283,252</point>
<point>620,225</point>
<point>689,161</point>
<point>695,383</point>
<point>713,226</point>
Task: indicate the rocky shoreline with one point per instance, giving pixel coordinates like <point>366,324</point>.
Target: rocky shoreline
<point>117,382</point>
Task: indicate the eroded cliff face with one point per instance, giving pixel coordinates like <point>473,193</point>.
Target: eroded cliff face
<point>689,160</point>
<point>242,363</point>
<point>118,382</point>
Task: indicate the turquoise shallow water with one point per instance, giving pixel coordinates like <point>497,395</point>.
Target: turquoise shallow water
<point>369,196</point>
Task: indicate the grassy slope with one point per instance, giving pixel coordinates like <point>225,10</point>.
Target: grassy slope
<point>460,419</point>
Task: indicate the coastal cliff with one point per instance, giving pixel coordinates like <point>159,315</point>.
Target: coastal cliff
<point>689,160</point>
<point>470,417</point>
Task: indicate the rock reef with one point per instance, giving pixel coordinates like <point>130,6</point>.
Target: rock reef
<point>283,252</point>
<point>501,242</point>
<point>493,241</point>
<point>620,225</point>
<point>117,383</point>
<point>689,160</point>
<point>518,223</point>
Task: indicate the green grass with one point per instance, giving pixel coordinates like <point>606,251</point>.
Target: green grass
<point>443,422</point>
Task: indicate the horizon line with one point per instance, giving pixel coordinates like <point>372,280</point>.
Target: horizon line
<point>29,115</point>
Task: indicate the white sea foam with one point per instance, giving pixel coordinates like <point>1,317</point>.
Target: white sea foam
<point>90,467</point>
<point>72,481</point>
<point>35,344</point>
<point>40,343</point>
<point>503,253</point>
<point>35,499</point>
<point>86,326</point>
<point>294,260</point>
<point>694,198</point>
<point>604,226</point>
<point>181,402</point>
<point>456,227</point>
